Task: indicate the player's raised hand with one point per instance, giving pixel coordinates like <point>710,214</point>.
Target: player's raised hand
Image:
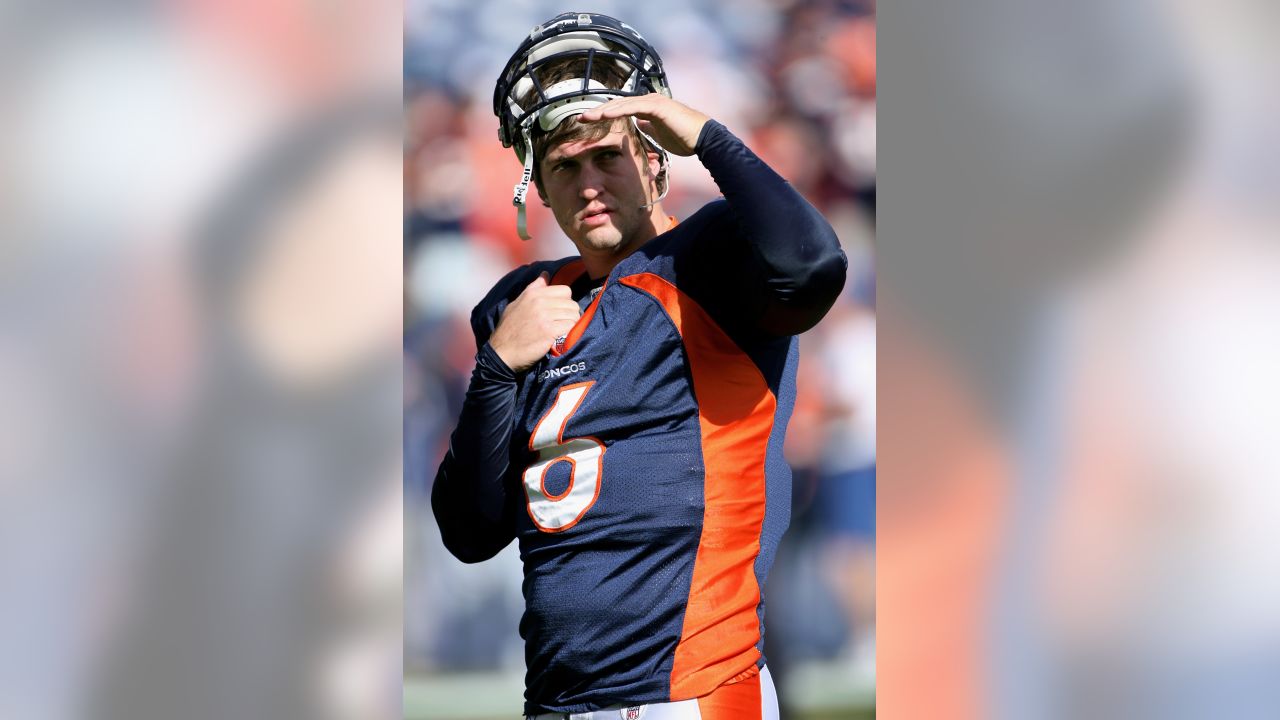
<point>673,124</point>
<point>532,322</point>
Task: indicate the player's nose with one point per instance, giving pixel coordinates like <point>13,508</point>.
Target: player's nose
<point>590,182</point>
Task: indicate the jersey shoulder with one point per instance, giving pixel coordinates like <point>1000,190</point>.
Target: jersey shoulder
<point>484,318</point>
<point>711,219</point>
<point>707,259</point>
<point>688,243</point>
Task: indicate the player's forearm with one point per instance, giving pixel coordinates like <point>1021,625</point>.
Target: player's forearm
<point>794,245</point>
<point>469,496</point>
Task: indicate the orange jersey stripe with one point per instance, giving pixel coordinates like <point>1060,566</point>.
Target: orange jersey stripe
<point>734,701</point>
<point>568,273</point>
<point>735,412</point>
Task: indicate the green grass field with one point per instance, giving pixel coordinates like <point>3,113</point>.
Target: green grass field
<point>821,692</point>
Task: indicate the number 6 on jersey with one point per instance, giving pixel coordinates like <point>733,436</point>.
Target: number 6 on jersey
<point>554,513</point>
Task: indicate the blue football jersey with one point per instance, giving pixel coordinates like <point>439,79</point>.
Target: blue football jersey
<point>648,453</point>
<point>639,463</point>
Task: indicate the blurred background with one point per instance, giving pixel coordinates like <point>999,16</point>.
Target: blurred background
<point>797,81</point>
<point>1079,286</point>
<point>209,351</point>
<point>200,332</point>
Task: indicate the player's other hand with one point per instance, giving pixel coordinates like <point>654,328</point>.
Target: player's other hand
<point>673,124</point>
<point>532,322</point>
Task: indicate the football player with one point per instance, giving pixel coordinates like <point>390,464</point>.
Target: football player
<point>626,416</point>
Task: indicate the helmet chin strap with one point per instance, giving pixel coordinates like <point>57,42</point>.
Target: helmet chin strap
<point>522,187</point>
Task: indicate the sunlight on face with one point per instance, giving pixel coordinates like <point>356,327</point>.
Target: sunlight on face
<point>600,191</point>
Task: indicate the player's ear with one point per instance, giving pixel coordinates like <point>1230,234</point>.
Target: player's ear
<point>655,165</point>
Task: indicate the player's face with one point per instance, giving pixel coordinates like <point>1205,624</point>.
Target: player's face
<point>598,189</point>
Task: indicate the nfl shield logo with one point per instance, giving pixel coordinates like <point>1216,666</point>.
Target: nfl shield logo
<point>633,713</point>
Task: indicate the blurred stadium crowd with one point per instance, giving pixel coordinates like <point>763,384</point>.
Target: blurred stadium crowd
<point>796,79</point>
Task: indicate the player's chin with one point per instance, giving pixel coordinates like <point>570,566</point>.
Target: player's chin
<point>601,237</point>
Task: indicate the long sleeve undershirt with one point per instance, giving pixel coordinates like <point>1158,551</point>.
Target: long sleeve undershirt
<point>793,245</point>
<point>468,497</point>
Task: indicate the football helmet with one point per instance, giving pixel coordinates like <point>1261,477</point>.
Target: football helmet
<point>605,48</point>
